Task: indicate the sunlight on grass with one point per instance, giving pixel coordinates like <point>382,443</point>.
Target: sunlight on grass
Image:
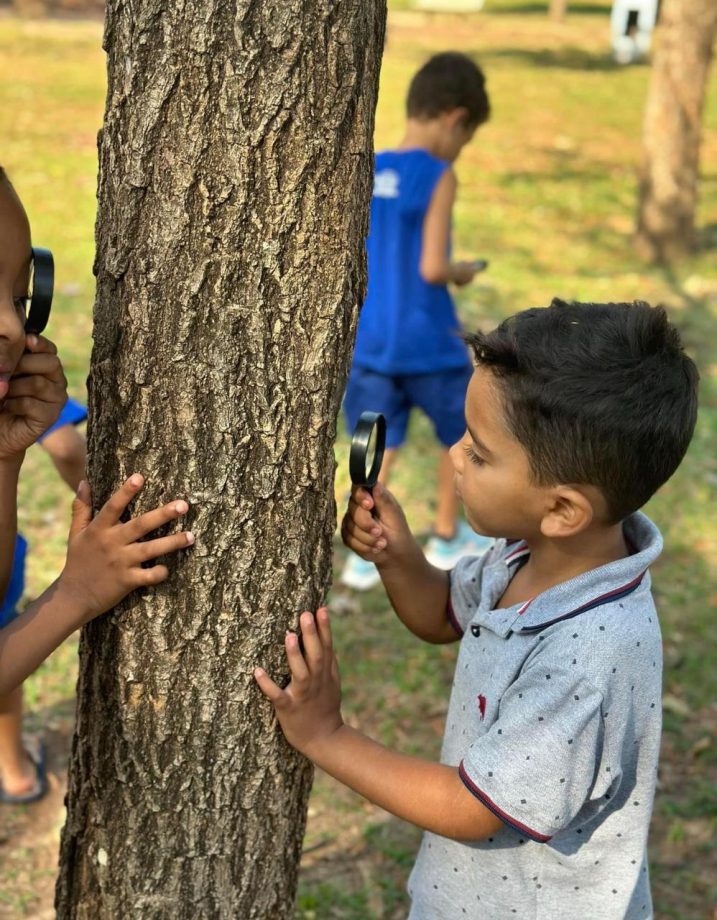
<point>547,194</point>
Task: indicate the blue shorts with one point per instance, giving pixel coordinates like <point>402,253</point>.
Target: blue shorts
<point>440,395</point>
<point>16,588</point>
<point>72,414</point>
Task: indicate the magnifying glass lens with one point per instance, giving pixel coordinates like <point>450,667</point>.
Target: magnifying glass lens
<point>367,447</point>
<point>43,278</point>
<point>370,452</point>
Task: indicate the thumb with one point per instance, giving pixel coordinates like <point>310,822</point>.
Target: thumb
<point>81,509</point>
<point>384,500</point>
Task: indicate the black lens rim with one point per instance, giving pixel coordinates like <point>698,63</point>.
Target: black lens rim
<point>43,286</point>
<point>368,421</point>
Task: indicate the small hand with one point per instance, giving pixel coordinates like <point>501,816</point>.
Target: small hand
<point>463,273</point>
<point>309,708</point>
<point>35,395</point>
<point>104,555</point>
<point>375,526</point>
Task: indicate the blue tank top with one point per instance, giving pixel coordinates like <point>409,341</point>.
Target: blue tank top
<point>406,326</point>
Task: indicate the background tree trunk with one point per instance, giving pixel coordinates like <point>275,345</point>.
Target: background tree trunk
<point>557,9</point>
<point>672,128</point>
<point>235,171</point>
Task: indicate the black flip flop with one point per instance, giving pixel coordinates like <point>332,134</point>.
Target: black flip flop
<point>39,788</point>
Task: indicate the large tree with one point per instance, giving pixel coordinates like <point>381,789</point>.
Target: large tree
<point>235,170</point>
<point>672,131</point>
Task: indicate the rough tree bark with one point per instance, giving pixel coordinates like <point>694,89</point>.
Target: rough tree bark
<point>235,170</point>
<point>684,41</point>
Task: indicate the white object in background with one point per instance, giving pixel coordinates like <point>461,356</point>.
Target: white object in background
<point>449,6</point>
<point>628,44</point>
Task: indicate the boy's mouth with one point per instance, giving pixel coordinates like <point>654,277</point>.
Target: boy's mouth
<point>4,384</point>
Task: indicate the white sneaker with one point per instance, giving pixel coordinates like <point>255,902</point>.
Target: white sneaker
<point>444,554</point>
<point>359,574</point>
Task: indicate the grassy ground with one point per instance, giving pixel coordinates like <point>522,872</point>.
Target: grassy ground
<point>548,195</point>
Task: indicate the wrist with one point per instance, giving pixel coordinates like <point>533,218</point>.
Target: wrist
<point>11,463</point>
<point>73,600</point>
<point>402,558</point>
<point>320,747</point>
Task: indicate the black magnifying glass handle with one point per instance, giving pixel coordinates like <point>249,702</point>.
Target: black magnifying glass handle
<point>367,448</point>
<point>43,285</point>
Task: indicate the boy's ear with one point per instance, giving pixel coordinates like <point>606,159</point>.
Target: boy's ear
<point>457,117</point>
<point>570,511</point>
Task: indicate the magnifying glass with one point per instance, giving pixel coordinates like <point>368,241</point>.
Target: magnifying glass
<point>367,447</point>
<point>43,284</point>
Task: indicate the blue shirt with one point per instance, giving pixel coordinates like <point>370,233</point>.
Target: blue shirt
<point>406,326</point>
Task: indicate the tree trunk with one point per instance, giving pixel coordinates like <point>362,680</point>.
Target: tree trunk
<point>235,171</point>
<point>557,9</point>
<point>672,128</point>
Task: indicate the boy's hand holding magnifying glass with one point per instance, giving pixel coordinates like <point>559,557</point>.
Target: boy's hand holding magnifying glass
<point>374,525</point>
<point>33,393</point>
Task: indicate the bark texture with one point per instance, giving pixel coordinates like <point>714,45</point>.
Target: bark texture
<point>673,127</point>
<point>235,171</point>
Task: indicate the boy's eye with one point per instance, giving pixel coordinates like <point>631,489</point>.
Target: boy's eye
<point>472,455</point>
<point>21,303</point>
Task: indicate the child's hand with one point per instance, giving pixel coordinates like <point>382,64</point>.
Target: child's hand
<point>382,538</point>
<point>104,557</point>
<point>309,708</point>
<point>32,398</point>
<point>463,273</point>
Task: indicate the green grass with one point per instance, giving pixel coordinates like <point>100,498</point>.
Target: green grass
<point>548,195</point>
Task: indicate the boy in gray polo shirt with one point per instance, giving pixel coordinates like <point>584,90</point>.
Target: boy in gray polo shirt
<point>541,803</point>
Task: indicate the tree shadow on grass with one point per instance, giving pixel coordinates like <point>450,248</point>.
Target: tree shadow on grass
<point>568,58</point>
<point>541,9</point>
<point>697,324</point>
<point>30,834</point>
<point>360,874</point>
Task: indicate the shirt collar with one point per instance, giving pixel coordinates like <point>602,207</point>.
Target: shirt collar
<point>569,599</point>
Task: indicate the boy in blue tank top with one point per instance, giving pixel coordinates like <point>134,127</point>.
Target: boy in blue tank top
<point>409,352</point>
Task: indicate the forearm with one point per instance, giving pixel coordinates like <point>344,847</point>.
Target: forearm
<point>429,795</point>
<point>71,470</point>
<point>37,632</point>
<point>9,473</point>
<point>419,593</point>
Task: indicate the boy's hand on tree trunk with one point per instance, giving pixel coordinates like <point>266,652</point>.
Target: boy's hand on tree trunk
<point>105,556</point>
<point>309,707</point>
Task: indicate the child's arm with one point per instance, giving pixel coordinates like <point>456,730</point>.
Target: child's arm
<point>68,450</point>
<point>9,472</point>
<point>104,563</point>
<point>430,795</point>
<point>35,395</point>
<point>417,590</point>
<point>435,266</point>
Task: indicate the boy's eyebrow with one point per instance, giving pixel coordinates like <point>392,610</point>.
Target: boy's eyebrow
<point>477,441</point>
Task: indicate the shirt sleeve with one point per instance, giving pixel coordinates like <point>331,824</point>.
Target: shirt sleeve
<point>536,765</point>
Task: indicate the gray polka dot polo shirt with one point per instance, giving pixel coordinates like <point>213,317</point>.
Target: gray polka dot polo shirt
<point>554,724</point>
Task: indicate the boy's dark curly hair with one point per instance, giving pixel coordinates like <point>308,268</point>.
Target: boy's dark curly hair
<point>599,394</point>
<point>449,81</point>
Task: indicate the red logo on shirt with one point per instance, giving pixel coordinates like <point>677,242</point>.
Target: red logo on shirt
<point>481,706</point>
